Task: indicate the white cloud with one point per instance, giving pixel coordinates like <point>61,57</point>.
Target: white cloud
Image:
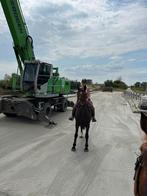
<point>7,68</point>
<point>115,57</point>
<point>103,31</point>
<point>100,73</point>
<point>3,25</point>
<point>80,28</point>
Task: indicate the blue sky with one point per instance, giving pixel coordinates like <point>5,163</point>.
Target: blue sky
<point>96,39</point>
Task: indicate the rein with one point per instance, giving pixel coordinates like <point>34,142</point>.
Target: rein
<point>138,167</point>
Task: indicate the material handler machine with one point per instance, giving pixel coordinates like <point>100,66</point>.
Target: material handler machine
<point>39,81</point>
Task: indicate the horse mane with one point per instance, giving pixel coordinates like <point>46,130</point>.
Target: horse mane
<point>82,95</point>
<point>83,111</point>
<point>143,149</point>
<point>143,122</point>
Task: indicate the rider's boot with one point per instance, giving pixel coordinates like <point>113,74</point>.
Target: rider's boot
<point>71,118</point>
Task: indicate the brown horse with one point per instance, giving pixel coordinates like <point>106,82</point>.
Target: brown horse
<point>140,184</point>
<point>83,116</point>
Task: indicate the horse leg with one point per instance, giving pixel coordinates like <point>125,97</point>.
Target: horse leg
<point>86,137</point>
<point>81,133</point>
<point>75,138</point>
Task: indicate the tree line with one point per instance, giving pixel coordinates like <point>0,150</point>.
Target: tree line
<point>116,84</point>
<point>140,86</point>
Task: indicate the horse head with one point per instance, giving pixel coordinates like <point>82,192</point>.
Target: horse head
<point>82,94</point>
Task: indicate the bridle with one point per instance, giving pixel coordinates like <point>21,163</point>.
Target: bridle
<point>138,167</point>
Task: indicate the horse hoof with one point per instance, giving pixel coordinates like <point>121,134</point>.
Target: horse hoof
<point>86,150</point>
<point>73,149</point>
<point>81,136</point>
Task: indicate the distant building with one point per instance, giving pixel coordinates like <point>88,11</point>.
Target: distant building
<point>87,81</point>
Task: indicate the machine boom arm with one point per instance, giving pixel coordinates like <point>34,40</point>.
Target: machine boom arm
<point>23,43</point>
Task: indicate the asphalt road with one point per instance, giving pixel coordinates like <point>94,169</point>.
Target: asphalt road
<point>36,160</point>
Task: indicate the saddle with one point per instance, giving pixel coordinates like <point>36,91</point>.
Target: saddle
<point>86,104</point>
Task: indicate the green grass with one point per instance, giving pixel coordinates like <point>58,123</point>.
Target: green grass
<point>138,90</point>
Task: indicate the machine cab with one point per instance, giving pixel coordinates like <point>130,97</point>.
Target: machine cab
<point>35,75</point>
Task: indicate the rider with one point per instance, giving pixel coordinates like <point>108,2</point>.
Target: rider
<point>88,100</point>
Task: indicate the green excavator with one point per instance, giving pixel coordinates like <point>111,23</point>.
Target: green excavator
<point>39,81</point>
